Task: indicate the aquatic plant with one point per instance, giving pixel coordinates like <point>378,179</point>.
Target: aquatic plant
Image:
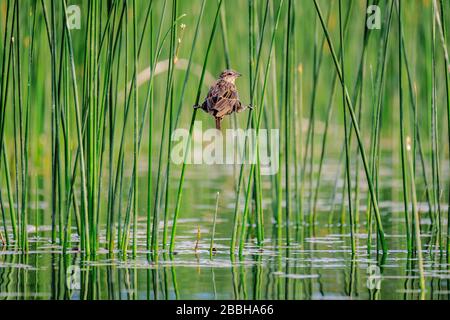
<point>89,117</point>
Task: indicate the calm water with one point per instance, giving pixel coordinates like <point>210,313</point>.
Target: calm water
<point>318,263</point>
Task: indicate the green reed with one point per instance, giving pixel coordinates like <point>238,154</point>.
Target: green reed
<point>310,134</point>
<point>213,233</point>
<point>150,104</point>
<point>416,217</point>
<point>169,103</point>
<point>252,167</point>
<point>434,148</point>
<point>6,66</point>
<point>287,115</point>
<point>77,120</point>
<point>443,36</point>
<point>378,87</point>
<point>191,127</point>
<point>256,125</point>
<point>156,207</point>
<point>135,131</point>
<point>297,137</point>
<point>258,194</point>
<point>327,123</point>
<point>356,128</point>
<point>441,24</point>
<point>140,134</point>
<point>402,128</point>
<point>418,148</point>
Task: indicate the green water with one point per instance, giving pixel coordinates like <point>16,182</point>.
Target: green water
<point>317,264</point>
<point>62,89</point>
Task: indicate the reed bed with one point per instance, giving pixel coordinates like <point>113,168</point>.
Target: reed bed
<point>86,145</point>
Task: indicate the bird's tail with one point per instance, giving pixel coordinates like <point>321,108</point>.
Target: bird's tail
<point>218,120</point>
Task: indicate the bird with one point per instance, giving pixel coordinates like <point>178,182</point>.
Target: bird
<point>223,97</point>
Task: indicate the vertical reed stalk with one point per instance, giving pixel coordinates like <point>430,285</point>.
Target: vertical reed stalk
<point>287,115</point>
<point>156,208</point>
<point>6,67</point>
<point>213,233</point>
<point>86,245</point>
<point>417,135</point>
<point>169,104</point>
<point>402,129</point>
<point>125,239</point>
<point>257,126</point>
<point>249,121</point>
<point>416,221</point>
<point>440,19</point>
<point>135,127</point>
<point>328,118</point>
<point>191,127</point>
<point>150,147</point>
<point>435,166</point>
<point>378,103</point>
<point>357,132</point>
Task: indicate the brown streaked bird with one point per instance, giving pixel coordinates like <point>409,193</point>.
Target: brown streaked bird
<point>223,98</point>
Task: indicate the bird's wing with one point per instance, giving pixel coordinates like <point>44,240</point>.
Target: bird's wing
<point>225,98</point>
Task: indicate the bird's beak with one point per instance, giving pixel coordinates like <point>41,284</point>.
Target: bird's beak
<point>238,74</point>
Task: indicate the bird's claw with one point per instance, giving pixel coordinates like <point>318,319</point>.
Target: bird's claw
<point>196,106</point>
<point>251,107</point>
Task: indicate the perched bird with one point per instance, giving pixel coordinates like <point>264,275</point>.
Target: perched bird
<point>223,98</point>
